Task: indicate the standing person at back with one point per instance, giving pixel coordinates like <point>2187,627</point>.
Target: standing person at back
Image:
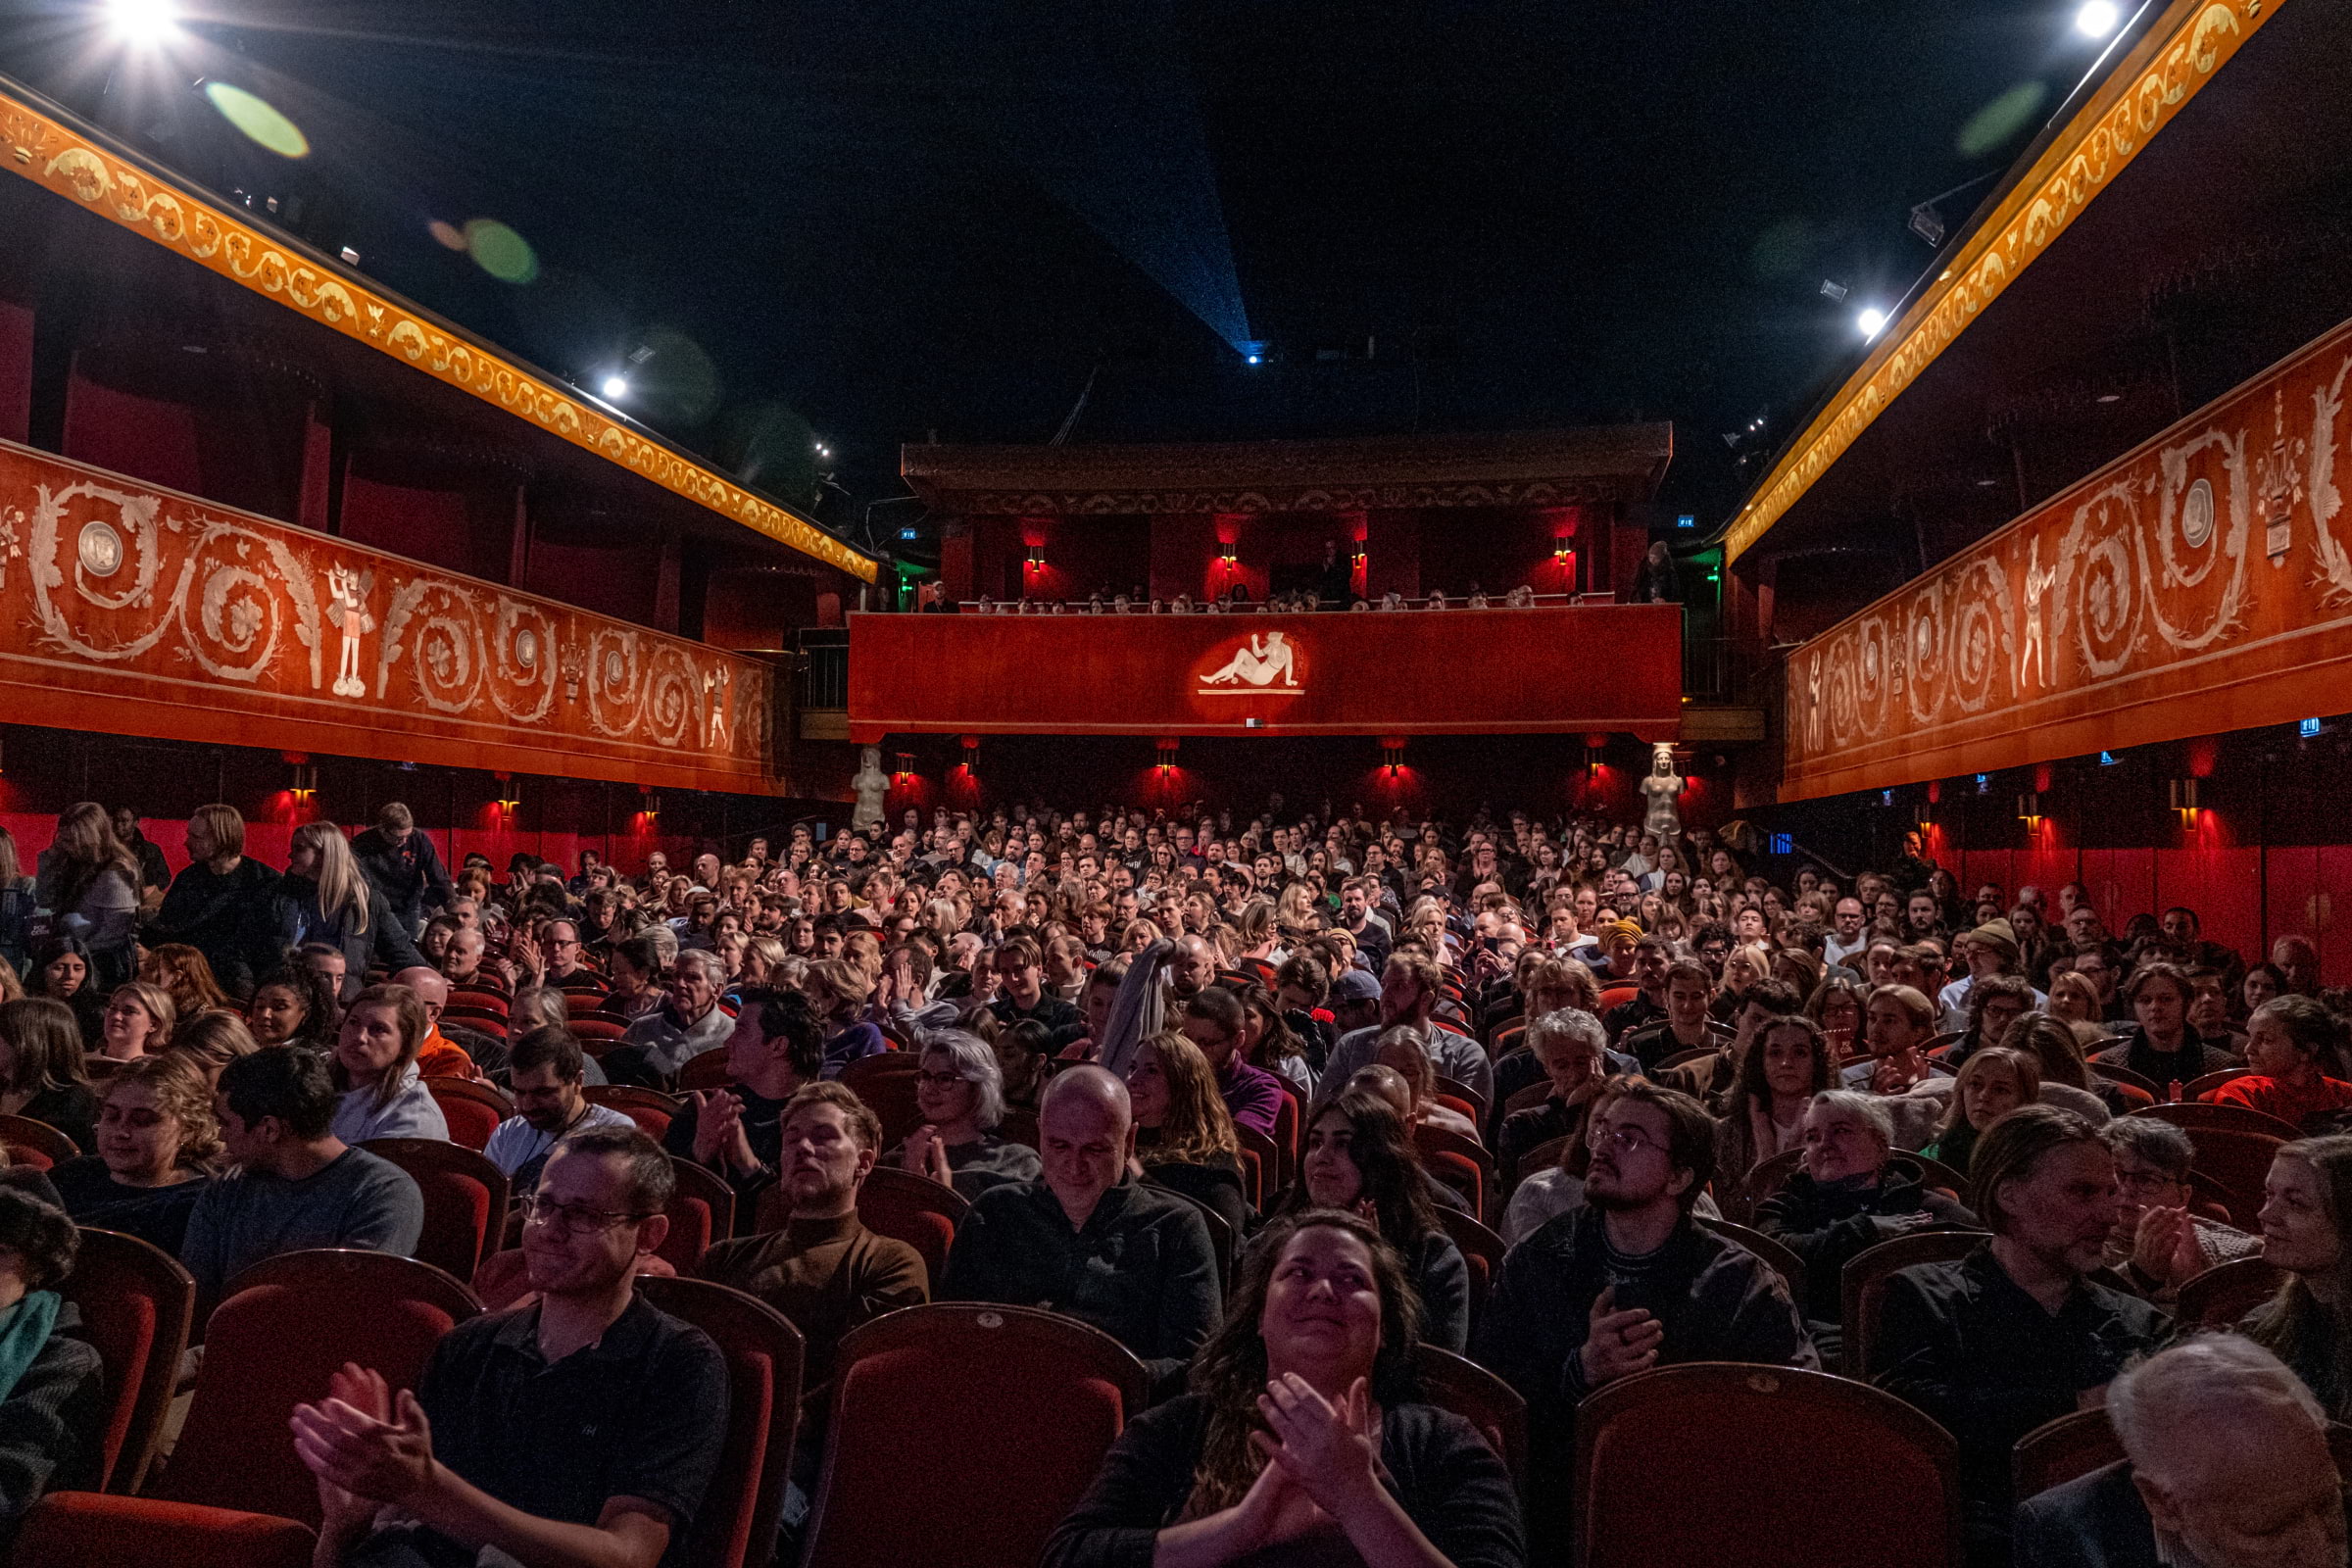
<point>297,1186</point>
<point>401,863</point>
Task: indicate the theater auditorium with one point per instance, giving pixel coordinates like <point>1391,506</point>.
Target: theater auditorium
<point>838,789</point>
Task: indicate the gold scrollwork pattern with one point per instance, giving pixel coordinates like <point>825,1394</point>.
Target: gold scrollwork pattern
<point>182,221</point>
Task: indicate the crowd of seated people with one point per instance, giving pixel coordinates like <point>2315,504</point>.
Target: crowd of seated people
<point>1273,1102</point>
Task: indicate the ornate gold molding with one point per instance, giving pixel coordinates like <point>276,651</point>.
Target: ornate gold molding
<point>2181,55</point>
<point>68,161</point>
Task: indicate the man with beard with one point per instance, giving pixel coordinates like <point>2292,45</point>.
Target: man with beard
<point>1629,1281</point>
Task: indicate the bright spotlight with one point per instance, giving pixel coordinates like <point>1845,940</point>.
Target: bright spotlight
<point>1871,321</point>
<point>143,21</point>
<point>616,387</point>
<point>2097,18</point>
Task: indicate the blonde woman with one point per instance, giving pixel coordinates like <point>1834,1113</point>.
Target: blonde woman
<point>157,1140</point>
<point>324,899</point>
<point>138,1022</point>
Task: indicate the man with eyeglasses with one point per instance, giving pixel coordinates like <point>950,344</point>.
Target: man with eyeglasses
<point>583,1428</point>
<point>2159,1241</point>
<point>1629,1281</point>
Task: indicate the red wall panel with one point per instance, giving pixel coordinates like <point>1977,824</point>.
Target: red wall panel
<point>146,438</point>
<point>16,372</point>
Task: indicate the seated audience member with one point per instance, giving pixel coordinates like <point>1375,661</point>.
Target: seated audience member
<point>376,1066</point>
<point>1183,1138</point>
<point>1409,993</point>
<point>156,1138</point>
<point>1995,1003</point>
<point>2158,1241</point>
<point>220,903</point>
<point>1391,1085</point>
<point>687,1023</point>
<point>960,1093</point>
<point>840,992</point>
<point>1360,1158</point>
<point>60,972</point>
<point>138,1022</point>
<point>212,1041</point>
<point>2161,1046</point>
<point>582,1428</point>
<point>560,951</point>
<point>1022,996</point>
<point>296,1184</point>
<point>52,1385</point>
<point>1852,1193</point>
<point>2074,999</point>
<point>636,966</point>
<point>1787,1063</point>
<point>294,1006</point>
<point>2226,1462</point>
<point>1301,1439</point>
<point>546,1075</point>
<point>1214,1020</point>
<point>1992,1083</point>
<point>1570,1046</point>
<point>1629,1281</point>
<point>2294,1045</point>
<point>1086,1241</point>
<point>1023,1062</point>
<point>823,1270</point>
<point>184,976</point>
<point>533,1007</point>
<point>1900,1025</point>
<point>1403,1052</point>
<point>2307,1231</point>
<point>437,1056</point>
<point>1686,1025</point>
<point>776,1047</point>
<point>2065,1081</point>
<point>2014,1335</point>
<point>41,1075</point>
<point>1708,1079</point>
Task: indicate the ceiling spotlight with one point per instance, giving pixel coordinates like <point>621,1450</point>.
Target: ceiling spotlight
<point>2097,18</point>
<point>143,21</point>
<point>1871,321</point>
<point>1255,359</point>
<point>616,387</point>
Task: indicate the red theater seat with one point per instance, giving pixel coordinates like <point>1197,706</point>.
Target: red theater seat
<point>1458,1384</point>
<point>136,1305</point>
<point>763,1356</point>
<point>36,1143</point>
<point>1688,1467</point>
<point>465,1200</point>
<point>900,1204</point>
<point>1017,1408</point>
<point>701,1211</point>
<point>885,1081</point>
<point>89,1530</point>
<point>650,1108</point>
<point>472,1111</point>
<point>284,1327</point>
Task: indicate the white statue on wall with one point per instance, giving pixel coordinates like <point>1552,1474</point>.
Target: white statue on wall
<point>347,606</point>
<point>1661,789</point>
<point>872,786</point>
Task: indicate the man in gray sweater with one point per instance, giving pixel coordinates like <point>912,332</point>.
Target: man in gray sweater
<point>297,1186</point>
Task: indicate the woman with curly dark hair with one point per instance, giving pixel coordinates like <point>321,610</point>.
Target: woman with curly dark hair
<point>294,1006</point>
<point>1301,1435</point>
<point>1360,1158</point>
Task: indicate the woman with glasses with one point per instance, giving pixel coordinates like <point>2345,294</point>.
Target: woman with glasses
<point>961,1095</point>
<point>2159,1240</point>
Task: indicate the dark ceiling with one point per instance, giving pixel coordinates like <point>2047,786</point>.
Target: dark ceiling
<point>871,225</point>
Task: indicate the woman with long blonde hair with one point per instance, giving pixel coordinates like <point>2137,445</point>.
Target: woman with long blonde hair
<point>324,897</point>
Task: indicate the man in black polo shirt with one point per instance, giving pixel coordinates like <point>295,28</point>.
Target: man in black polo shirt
<point>581,1430</point>
<point>1132,1260</point>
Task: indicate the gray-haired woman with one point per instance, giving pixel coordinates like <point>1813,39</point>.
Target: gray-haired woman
<point>960,1093</point>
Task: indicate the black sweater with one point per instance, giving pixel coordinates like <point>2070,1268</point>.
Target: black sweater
<point>1438,1469</point>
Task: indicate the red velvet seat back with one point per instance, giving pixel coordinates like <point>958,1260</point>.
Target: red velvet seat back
<point>1018,1408</point>
<point>472,1111</point>
<point>465,1200</point>
<point>701,1211</point>
<point>1688,1467</point>
<point>135,1303</point>
<point>88,1530</point>
<point>284,1328</point>
<point>763,1356</point>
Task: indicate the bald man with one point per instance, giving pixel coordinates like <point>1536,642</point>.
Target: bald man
<point>2226,1462</point>
<point>1088,1240</point>
<point>1192,969</point>
<point>439,1057</point>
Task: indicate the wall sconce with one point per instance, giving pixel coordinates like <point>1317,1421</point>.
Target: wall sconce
<point>1037,558</point>
<point>905,765</point>
<point>510,799</point>
<point>1225,554</point>
<point>1355,553</point>
<point>1392,754</point>
<point>306,775</point>
<point>972,753</point>
<point>1562,551</point>
<point>2184,798</point>
<point>650,803</point>
<point>1166,748</point>
<point>2028,808</point>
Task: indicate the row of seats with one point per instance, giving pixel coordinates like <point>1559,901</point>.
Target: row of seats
<point>1684,1465</point>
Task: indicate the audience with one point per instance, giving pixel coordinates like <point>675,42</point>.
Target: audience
<point>1184,1136</point>
<point>775,1046</point>
<point>2307,1231</point>
<point>53,1409</point>
<point>959,1093</point>
<point>2015,1334</point>
<point>1299,1439</point>
<point>1089,1241</point>
<point>375,1067</point>
<point>546,1075</point>
<point>2226,1462</point>
<point>138,1019</point>
<point>1787,1063</point>
<point>2159,1243</point>
<point>2295,1046</point>
<point>684,1024</point>
<point>295,1184</point>
<point>157,1141</point>
<point>1992,1083</point>
<point>582,1428</point>
<point>1360,1159</point>
<point>41,1073</point>
<point>1213,1021</point>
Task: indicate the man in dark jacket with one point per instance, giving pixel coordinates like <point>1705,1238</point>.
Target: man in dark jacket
<point>1627,1282</point>
<point>220,905</point>
<point>402,865</point>
<point>1853,1194</point>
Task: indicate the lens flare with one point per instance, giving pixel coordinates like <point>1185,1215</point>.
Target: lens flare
<point>258,120</point>
<point>501,252</point>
